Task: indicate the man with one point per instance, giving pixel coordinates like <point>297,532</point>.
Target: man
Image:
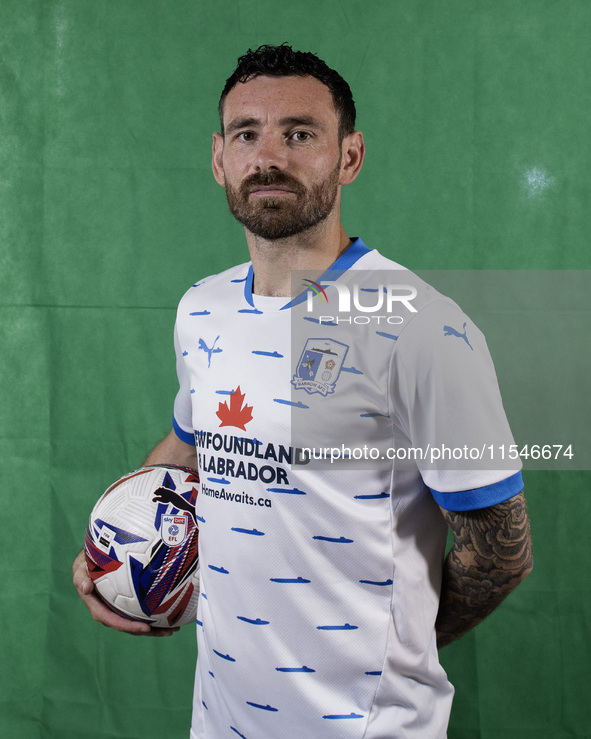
<point>325,595</point>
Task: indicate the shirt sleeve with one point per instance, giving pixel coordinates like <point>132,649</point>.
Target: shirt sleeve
<point>448,407</point>
<point>182,419</point>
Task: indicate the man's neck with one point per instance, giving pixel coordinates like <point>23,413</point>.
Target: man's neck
<point>313,250</point>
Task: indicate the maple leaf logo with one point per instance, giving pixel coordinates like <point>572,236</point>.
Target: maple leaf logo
<point>237,414</point>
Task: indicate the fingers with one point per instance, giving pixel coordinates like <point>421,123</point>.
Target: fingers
<point>80,577</point>
<point>102,613</point>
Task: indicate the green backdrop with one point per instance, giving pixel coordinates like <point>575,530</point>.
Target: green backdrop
<point>476,116</point>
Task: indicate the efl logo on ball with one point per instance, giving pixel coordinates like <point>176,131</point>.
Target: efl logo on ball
<point>173,531</point>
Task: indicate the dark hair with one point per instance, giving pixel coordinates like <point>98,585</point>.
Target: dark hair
<point>283,61</point>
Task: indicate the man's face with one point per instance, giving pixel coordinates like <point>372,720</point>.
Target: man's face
<point>280,158</point>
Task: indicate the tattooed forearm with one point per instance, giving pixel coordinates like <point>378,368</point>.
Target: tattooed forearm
<point>491,555</point>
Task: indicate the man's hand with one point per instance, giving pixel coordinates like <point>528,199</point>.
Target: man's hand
<point>491,555</point>
<point>101,612</point>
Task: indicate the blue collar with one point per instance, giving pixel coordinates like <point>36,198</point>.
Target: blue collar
<point>344,262</point>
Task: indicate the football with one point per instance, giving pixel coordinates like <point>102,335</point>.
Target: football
<point>141,546</point>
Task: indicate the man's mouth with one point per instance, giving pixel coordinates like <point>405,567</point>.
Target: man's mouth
<point>270,191</point>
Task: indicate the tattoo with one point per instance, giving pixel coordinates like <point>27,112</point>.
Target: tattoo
<point>491,555</point>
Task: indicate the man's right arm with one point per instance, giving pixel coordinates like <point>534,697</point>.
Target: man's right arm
<point>171,450</point>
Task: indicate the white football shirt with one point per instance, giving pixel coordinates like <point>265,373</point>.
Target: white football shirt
<point>320,585</point>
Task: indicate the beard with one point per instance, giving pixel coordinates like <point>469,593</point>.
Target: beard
<point>274,218</point>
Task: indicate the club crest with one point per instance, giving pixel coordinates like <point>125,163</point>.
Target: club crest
<point>173,530</point>
<point>319,366</point>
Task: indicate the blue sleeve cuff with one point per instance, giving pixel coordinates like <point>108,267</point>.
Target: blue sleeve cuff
<point>186,436</point>
<point>470,500</point>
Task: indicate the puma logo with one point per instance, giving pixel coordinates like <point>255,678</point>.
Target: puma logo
<point>450,331</point>
<point>208,351</point>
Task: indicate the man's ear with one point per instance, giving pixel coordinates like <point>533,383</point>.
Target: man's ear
<point>217,149</point>
<point>352,154</point>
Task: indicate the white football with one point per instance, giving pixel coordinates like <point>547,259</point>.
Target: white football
<point>141,546</point>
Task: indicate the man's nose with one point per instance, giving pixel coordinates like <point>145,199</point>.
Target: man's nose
<point>271,153</point>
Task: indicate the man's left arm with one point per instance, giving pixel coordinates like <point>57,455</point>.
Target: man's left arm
<point>491,555</point>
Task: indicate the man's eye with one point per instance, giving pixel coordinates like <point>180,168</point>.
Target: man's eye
<point>246,136</point>
<point>301,136</point>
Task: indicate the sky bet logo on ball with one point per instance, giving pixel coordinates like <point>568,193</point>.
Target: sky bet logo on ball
<point>173,531</point>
